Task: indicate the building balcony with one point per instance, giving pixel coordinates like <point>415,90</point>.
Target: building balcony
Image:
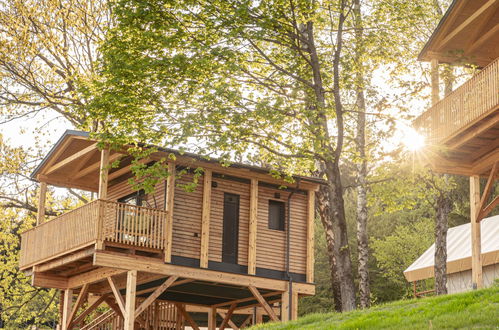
<point>117,225</point>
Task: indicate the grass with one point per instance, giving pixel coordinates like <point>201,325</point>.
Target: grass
<point>471,310</point>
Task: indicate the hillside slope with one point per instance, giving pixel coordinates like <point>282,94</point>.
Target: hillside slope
<point>477,310</point>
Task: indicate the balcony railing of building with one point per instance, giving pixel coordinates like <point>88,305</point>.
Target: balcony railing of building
<point>100,220</point>
<point>472,101</point>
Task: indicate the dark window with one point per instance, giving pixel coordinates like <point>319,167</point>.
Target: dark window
<point>137,198</point>
<point>276,215</point>
<point>230,228</point>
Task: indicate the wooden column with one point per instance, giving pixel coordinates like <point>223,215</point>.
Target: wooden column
<point>285,306</point>
<point>294,307</point>
<point>168,230</point>
<point>476,249</point>
<point>253,225</point>
<point>435,82</point>
<point>66,309</point>
<point>310,236</point>
<point>104,171</point>
<point>131,287</point>
<point>205,222</point>
<point>156,316</point>
<point>212,318</point>
<point>40,216</point>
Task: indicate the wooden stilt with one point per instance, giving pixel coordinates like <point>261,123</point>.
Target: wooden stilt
<point>294,307</point>
<point>79,302</point>
<point>131,287</point>
<point>117,295</point>
<point>476,251</point>
<point>285,306</point>
<point>156,319</point>
<point>212,318</point>
<point>264,303</point>
<point>40,216</point>
<point>66,311</point>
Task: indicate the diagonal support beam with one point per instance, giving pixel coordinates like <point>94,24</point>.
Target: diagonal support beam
<point>486,194</point>
<point>117,295</point>
<point>87,311</point>
<point>187,317</point>
<point>162,288</point>
<point>88,150</point>
<point>79,301</point>
<point>487,209</point>
<point>263,303</point>
<point>226,320</point>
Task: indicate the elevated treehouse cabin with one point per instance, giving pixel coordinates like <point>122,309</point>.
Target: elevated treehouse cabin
<point>236,250</point>
<point>462,129</point>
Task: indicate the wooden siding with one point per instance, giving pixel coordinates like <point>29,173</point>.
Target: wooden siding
<point>187,214</point>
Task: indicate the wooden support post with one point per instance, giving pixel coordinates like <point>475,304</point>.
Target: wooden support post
<point>40,215</point>
<point>156,320</point>
<point>435,82</point>
<point>310,236</point>
<point>264,303</point>
<point>179,320</point>
<point>476,251</point>
<point>227,317</point>
<point>66,310</point>
<point>131,287</point>
<point>285,306</point>
<point>294,306</point>
<point>103,174</point>
<point>117,295</point>
<point>253,225</point>
<point>205,223</point>
<point>168,230</point>
<point>258,316</point>
<point>212,318</point>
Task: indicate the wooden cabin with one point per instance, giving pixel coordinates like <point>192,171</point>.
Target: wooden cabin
<point>237,250</point>
<point>462,129</point>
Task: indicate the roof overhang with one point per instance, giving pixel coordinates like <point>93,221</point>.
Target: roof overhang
<point>468,33</point>
<point>74,162</point>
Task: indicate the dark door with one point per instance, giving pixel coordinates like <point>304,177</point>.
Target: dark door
<point>231,228</point>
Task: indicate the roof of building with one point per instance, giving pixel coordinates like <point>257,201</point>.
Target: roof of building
<point>459,250</point>
<point>259,169</point>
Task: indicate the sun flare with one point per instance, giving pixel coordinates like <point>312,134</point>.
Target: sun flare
<point>412,139</point>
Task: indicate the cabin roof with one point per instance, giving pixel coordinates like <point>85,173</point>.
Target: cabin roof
<point>459,250</point>
<point>81,140</point>
<point>468,33</point>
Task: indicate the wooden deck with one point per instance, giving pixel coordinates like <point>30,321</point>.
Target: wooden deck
<point>100,220</point>
<point>467,105</point>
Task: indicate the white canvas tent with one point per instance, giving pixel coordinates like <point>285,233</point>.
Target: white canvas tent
<point>459,256</point>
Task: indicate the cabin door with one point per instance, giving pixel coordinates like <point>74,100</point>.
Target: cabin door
<point>230,228</point>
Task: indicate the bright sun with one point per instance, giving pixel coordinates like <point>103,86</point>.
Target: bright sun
<point>412,140</point>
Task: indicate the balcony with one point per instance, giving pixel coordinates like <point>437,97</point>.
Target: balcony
<point>104,221</point>
<point>469,104</point>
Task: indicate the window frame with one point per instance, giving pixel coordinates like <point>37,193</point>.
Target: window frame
<point>281,221</point>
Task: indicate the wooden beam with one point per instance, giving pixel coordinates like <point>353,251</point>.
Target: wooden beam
<point>483,127</point>
<point>435,82</point>
<point>285,312</point>
<point>487,209</point>
<point>476,241</point>
<point>49,281</point>
<point>205,219</point>
<point>227,317</point>
<point>92,276</point>
<point>483,38</point>
<point>87,311</point>
<point>212,318</point>
<point>149,300</point>
<point>95,166</point>
<point>66,182</point>
<point>186,316</point>
<point>82,296</point>
<point>71,159</point>
<point>65,260</point>
<point>131,287</point>
<point>253,227</point>
<point>489,5</point>
<point>229,321</point>
<point>103,173</point>
<point>263,303</point>
<point>152,265</point>
<point>246,321</point>
<point>114,306</point>
<point>127,169</point>
<point>117,295</point>
<point>156,316</point>
<point>66,311</point>
<point>486,192</point>
<point>170,191</point>
<point>237,301</point>
<point>310,236</point>
<point>40,215</point>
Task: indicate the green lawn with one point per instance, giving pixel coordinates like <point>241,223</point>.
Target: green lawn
<point>471,310</point>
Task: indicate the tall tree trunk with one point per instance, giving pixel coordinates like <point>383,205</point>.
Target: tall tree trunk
<point>325,215</point>
<point>362,236</point>
<point>443,209</point>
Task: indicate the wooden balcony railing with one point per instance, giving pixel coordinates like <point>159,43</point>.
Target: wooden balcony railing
<point>467,104</point>
<point>99,220</point>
